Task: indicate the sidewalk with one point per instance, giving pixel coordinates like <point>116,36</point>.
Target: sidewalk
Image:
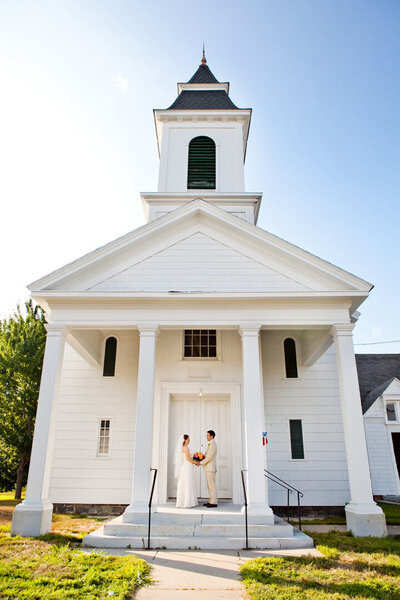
<point>195,575</point>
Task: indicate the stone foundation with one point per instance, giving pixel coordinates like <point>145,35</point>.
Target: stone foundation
<point>104,510</point>
<point>95,510</point>
<point>308,511</point>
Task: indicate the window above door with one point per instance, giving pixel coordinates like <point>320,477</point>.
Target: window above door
<point>200,344</point>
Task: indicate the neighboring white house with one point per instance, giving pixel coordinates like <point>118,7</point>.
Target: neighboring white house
<point>198,320</point>
<point>379,377</point>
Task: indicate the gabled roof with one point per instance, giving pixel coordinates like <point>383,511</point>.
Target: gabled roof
<point>322,278</point>
<point>375,373</point>
<point>202,99</point>
<point>203,75</point>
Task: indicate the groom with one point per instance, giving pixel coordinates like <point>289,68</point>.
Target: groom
<point>210,468</point>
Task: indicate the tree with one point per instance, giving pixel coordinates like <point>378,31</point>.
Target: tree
<point>22,343</point>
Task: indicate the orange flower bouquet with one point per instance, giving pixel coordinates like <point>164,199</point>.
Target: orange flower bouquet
<point>198,456</point>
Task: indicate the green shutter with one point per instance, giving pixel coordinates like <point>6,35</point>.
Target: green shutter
<point>201,167</point>
<point>296,438</point>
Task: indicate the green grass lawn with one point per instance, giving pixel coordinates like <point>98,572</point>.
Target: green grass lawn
<point>351,568</point>
<point>53,566</point>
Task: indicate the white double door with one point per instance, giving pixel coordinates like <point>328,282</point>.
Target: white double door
<point>195,415</point>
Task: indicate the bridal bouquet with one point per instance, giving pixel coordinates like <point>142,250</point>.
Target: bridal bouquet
<point>198,456</point>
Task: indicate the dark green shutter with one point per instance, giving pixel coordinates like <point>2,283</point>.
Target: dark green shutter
<point>201,167</point>
<point>110,354</point>
<point>296,438</point>
<point>290,358</point>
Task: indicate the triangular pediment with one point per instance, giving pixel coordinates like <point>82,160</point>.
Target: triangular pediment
<point>199,263</point>
<point>200,248</point>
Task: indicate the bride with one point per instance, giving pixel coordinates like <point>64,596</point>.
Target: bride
<point>185,493</point>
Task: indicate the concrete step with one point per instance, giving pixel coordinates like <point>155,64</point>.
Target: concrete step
<point>99,539</point>
<point>193,516</point>
<point>198,530</point>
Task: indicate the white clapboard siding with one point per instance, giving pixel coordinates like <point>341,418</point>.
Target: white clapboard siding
<point>382,465</point>
<point>78,475</point>
<point>199,263</point>
<point>314,398</point>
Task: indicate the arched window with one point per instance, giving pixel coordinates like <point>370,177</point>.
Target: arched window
<point>290,357</point>
<point>201,165</point>
<point>110,354</point>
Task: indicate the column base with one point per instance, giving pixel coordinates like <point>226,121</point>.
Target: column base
<point>365,520</point>
<point>32,518</point>
<point>137,508</point>
<point>263,513</point>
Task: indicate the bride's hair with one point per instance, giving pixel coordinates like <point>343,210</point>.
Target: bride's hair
<point>185,437</point>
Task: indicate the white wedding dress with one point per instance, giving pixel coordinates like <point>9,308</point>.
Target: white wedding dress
<point>185,493</point>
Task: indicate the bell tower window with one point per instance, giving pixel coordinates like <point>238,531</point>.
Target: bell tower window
<point>201,164</point>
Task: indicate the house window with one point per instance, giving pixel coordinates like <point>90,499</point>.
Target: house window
<point>201,164</point>
<point>104,438</point>
<point>289,346</point>
<point>296,438</point>
<point>110,353</point>
<point>200,343</point>
<point>391,412</point>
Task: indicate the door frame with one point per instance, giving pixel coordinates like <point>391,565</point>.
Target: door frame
<point>161,429</point>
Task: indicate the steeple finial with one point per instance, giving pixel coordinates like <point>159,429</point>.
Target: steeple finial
<point>204,60</point>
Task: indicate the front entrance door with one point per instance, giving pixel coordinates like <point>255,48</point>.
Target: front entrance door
<point>195,415</point>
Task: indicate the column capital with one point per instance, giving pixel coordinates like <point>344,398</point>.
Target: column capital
<point>343,329</point>
<point>148,329</point>
<point>55,330</point>
<point>249,329</point>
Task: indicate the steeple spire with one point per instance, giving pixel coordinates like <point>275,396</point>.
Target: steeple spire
<point>204,60</point>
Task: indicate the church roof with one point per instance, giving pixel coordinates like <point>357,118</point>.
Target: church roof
<point>375,373</point>
<point>216,98</point>
<point>203,99</point>
<point>203,75</point>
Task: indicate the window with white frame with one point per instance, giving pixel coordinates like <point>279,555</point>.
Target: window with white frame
<point>103,448</point>
<point>200,343</point>
<point>392,411</point>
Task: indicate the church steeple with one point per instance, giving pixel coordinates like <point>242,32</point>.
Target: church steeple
<point>202,140</point>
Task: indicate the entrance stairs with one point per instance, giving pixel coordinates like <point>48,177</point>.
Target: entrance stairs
<point>196,528</point>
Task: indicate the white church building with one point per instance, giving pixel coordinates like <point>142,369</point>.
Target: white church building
<point>199,320</point>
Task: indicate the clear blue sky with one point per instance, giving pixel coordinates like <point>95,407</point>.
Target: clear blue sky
<point>79,81</point>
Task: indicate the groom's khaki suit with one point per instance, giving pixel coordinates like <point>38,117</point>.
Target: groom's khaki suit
<point>210,468</point>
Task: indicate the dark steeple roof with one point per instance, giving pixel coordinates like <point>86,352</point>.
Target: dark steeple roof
<point>375,374</point>
<point>203,75</point>
<point>205,99</point>
<point>208,99</point>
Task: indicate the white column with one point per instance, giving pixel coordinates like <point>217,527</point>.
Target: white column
<point>253,398</point>
<point>364,517</point>
<point>33,515</point>
<point>144,420</point>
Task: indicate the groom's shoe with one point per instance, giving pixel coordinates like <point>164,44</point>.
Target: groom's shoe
<point>211,505</point>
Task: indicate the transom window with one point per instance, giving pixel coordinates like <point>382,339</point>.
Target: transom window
<point>200,343</point>
<point>104,438</point>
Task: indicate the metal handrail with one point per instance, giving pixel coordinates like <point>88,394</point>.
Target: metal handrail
<point>245,509</point>
<point>290,489</point>
<point>150,502</point>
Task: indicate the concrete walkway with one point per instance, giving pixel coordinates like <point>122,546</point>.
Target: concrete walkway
<point>197,575</point>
